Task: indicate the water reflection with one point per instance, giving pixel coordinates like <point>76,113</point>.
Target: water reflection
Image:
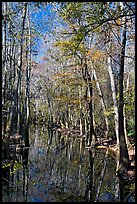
<point>15,187</point>
<point>58,168</point>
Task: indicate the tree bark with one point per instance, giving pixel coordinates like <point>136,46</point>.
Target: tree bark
<point>28,71</point>
<point>102,100</point>
<point>80,109</point>
<point>15,108</point>
<point>123,152</point>
<point>111,74</point>
<point>88,80</point>
<point>124,113</point>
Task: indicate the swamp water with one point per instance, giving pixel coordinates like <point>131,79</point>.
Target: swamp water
<point>58,168</point>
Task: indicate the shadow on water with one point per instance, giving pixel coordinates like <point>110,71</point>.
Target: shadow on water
<point>58,168</point>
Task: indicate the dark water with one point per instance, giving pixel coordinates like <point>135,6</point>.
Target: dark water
<point>58,168</point>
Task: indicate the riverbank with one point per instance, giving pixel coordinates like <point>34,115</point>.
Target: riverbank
<point>113,151</point>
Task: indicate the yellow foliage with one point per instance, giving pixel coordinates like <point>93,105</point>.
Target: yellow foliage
<point>76,67</point>
<point>71,44</point>
<point>109,112</point>
<point>95,54</point>
<point>63,74</point>
<point>118,21</point>
<point>6,165</point>
<point>66,100</point>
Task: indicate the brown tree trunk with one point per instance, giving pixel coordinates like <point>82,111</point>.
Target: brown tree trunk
<point>88,81</point>
<point>123,151</point>
<point>124,112</point>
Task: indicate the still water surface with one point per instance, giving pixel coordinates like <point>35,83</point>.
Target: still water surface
<point>58,168</point>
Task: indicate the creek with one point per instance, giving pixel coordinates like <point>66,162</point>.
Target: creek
<point>59,168</point>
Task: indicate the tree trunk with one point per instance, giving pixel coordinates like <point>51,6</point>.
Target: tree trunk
<point>90,185</point>
<point>113,89</point>
<point>90,113</point>
<point>27,91</point>
<point>4,71</point>
<point>123,152</point>
<point>124,112</point>
<point>88,81</point>
<point>102,100</point>
<point>80,109</point>
<point>13,120</point>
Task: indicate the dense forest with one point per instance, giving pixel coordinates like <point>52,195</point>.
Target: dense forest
<point>70,67</point>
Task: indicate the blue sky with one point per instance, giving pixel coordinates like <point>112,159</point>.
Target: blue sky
<point>46,21</point>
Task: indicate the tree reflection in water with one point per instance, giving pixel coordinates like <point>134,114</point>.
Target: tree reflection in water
<point>58,168</point>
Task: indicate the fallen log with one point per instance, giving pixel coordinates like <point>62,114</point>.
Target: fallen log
<point>111,151</point>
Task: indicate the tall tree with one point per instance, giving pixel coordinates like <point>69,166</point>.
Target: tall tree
<point>123,152</point>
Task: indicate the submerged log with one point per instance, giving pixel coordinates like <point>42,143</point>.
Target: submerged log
<point>111,150</point>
